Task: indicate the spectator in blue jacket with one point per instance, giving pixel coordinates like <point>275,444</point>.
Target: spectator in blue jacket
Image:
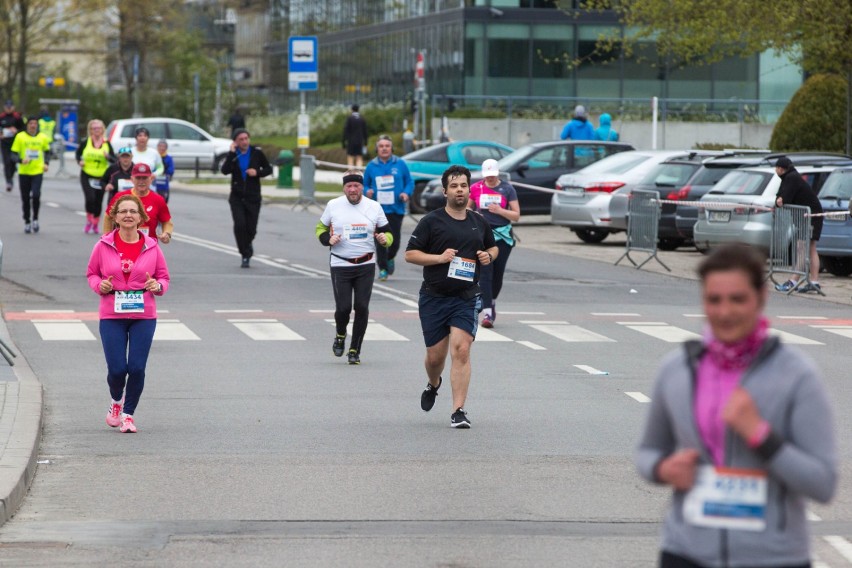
<point>388,181</point>
<point>605,132</point>
<point>161,184</point>
<point>579,127</point>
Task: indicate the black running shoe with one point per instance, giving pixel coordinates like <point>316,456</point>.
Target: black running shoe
<point>339,345</point>
<point>354,357</point>
<point>460,419</point>
<point>427,399</point>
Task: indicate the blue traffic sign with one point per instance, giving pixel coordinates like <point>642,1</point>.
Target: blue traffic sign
<point>303,63</point>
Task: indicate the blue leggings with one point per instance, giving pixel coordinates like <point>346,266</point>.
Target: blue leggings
<point>127,343</point>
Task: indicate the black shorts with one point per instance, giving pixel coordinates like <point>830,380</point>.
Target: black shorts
<point>816,228</point>
<point>439,313</point>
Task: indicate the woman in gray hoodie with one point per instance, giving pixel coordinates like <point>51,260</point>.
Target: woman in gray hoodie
<point>741,428</point>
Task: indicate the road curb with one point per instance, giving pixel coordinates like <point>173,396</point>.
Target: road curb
<point>21,421</point>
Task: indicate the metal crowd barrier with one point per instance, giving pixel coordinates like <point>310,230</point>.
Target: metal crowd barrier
<point>643,218</point>
<point>789,250</point>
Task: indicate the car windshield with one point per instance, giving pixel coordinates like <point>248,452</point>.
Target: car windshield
<point>838,185</point>
<point>743,183</point>
<point>616,164</point>
<point>709,176</point>
<point>669,175</point>
<point>436,153</point>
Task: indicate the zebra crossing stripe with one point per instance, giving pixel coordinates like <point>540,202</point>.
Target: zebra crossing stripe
<point>793,339</point>
<point>375,332</point>
<point>570,333</point>
<point>173,330</point>
<point>266,330</point>
<point>63,330</point>
<point>662,330</point>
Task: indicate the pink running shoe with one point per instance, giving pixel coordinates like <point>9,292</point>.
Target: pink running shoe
<point>113,418</point>
<point>127,425</point>
<point>88,228</point>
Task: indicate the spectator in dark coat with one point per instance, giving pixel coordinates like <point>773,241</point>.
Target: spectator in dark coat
<point>794,190</point>
<point>355,138</point>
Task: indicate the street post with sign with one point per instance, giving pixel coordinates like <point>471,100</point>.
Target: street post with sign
<point>420,96</point>
<point>303,75</point>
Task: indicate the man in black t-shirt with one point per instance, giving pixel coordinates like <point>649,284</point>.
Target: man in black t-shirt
<point>450,244</point>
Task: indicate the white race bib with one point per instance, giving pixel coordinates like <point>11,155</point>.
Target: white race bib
<point>33,154</point>
<point>462,269</point>
<point>384,182</point>
<point>727,498</point>
<point>486,199</point>
<point>8,133</point>
<point>124,184</point>
<point>129,301</point>
<point>386,197</point>
<point>95,183</point>
<point>355,232</point>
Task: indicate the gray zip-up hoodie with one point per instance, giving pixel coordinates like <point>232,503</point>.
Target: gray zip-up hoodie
<point>787,388</point>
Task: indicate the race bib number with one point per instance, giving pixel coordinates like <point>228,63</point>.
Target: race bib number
<point>8,133</point>
<point>33,155</point>
<point>462,269</point>
<point>384,183</point>
<point>129,301</point>
<point>124,184</point>
<point>94,183</point>
<point>355,232</point>
<point>487,199</point>
<point>386,197</point>
<point>727,498</point>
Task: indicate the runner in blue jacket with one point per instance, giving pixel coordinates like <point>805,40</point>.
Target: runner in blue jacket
<point>388,181</point>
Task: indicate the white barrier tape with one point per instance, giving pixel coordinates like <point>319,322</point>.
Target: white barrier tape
<point>831,215</point>
<point>716,205</point>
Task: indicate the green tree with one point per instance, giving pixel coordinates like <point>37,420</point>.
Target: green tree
<point>810,121</point>
<point>815,33</point>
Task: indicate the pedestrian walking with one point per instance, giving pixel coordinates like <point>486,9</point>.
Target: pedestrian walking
<point>351,226</point>
<point>11,122</point>
<point>794,190</point>
<point>388,181</point>
<point>94,155</point>
<point>117,177</point>
<point>128,270</point>
<point>451,244</point>
<point>355,138</point>
<point>579,127</point>
<point>144,154</point>
<point>236,120</point>
<point>740,427</point>
<point>156,209</point>
<point>162,183</point>
<point>31,151</point>
<point>605,132</point>
<point>246,164</point>
<point>497,201</point>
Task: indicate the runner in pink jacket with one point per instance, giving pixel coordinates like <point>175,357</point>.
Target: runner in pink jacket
<point>127,270</point>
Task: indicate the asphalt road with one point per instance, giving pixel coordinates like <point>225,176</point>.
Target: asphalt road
<point>256,445</point>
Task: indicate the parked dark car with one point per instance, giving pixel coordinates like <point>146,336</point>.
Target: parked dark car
<point>539,164</point>
<point>835,244</point>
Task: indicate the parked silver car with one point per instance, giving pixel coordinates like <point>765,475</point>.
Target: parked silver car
<point>749,187</point>
<point>583,202</point>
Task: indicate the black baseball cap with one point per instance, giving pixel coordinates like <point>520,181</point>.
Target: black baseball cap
<point>784,162</point>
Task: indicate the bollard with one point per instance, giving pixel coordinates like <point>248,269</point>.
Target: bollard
<point>197,167</point>
<point>285,169</point>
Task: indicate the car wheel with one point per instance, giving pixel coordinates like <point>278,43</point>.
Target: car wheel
<point>669,244</point>
<point>592,236</point>
<point>838,265</point>
<point>414,203</point>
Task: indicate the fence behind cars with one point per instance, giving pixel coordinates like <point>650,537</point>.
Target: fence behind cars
<point>643,218</point>
<point>789,251</point>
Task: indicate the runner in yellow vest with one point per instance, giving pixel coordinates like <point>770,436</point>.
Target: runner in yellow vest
<point>94,155</point>
<point>31,151</point>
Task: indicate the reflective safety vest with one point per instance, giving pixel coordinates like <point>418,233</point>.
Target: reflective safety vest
<point>95,161</point>
<point>46,127</point>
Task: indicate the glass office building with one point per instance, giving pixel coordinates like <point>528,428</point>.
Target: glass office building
<point>523,48</point>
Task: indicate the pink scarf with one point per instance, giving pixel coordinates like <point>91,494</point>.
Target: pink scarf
<point>740,354</point>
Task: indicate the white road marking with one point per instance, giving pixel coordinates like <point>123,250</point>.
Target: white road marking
<point>522,313</point>
<point>376,332</point>
<point>531,345</point>
<point>811,516</point>
<point>841,330</point>
<point>841,545</point>
<point>614,314</point>
<point>238,311</point>
<point>571,333</point>
<point>483,334</point>
<point>793,339</point>
<point>638,397</point>
<point>802,317</point>
<point>530,322</point>
<point>694,316</point>
<point>266,330</point>
<point>48,311</point>
<point>591,370</point>
<point>173,330</point>
<point>63,330</point>
<point>668,333</point>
